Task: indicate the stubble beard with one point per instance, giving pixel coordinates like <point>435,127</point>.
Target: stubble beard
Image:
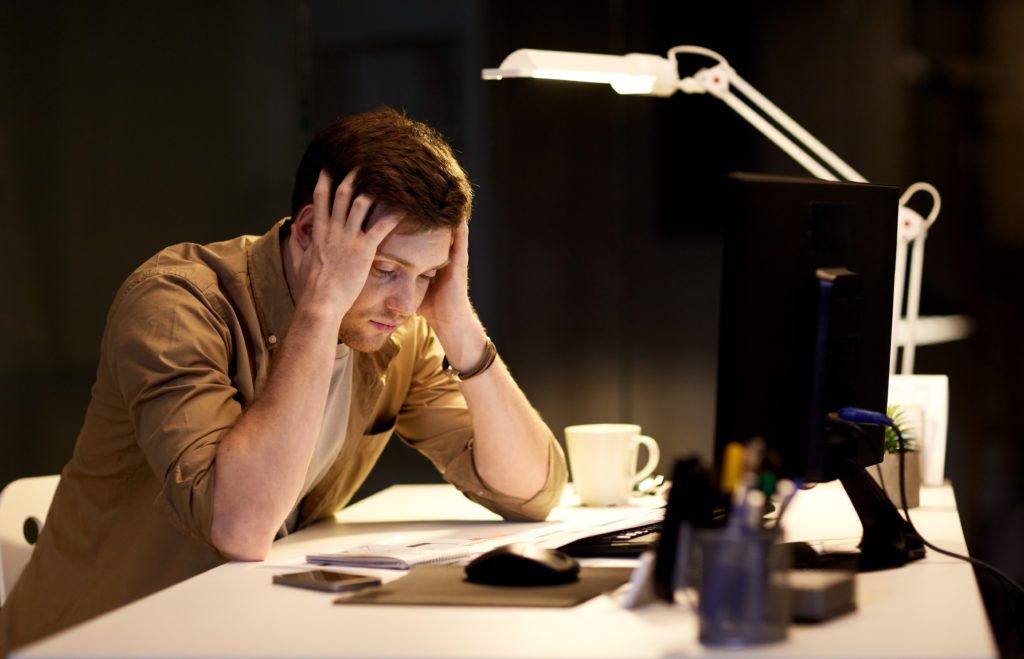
<point>359,335</point>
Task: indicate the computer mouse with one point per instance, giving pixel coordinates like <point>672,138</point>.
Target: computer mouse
<point>523,564</point>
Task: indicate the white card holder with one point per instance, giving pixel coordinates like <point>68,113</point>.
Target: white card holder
<point>930,393</point>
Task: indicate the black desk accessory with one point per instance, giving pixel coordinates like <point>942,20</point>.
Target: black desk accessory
<point>693,502</point>
<point>523,564</point>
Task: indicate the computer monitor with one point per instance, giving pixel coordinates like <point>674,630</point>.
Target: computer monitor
<point>775,378</point>
<point>806,317</point>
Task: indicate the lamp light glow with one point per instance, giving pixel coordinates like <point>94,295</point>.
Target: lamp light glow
<point>622,83</point>
<point>635,73</point>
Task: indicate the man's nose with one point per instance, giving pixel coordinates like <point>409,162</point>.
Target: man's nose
<point>404,300</point>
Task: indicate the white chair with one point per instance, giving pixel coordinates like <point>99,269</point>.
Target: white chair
<point>23,507</point>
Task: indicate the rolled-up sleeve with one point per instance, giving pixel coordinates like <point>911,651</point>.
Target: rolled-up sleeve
<point>435,419</point>
<point>169,351</point>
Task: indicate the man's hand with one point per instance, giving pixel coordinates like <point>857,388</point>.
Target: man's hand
<point>447,308</point>
<point>262,461</point>
<point>511,442</point>
<point>337,261</point>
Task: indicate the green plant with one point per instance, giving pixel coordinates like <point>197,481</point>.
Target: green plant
<point>892,445</point>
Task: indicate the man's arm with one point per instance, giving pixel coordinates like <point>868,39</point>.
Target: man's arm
<point>261,462</point>
<point>511,442</point>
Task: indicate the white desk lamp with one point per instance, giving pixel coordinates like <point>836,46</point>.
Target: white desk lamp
<point>652,75</point>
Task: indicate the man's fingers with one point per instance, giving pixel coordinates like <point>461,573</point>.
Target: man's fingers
<point>357,214</point>
<point>459,252</point>
<point>343,195</point>
<point>460,244</point>
<point>381,228</point>
<point>321,194</point>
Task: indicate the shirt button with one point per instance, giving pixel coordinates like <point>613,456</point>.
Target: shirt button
<point>272,340</point>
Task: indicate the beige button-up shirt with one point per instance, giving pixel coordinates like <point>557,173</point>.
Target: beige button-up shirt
<point>191,338</point>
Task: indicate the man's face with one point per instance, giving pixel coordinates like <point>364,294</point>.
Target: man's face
<point>399,278</point>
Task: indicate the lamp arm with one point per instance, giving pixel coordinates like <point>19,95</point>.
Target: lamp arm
<point>913,305</point>
<point>774,134</point>
<point>795,129</point>
<point>695,50</point>
<point>912,232</point>
<point>718,79</point>
<point>899,281</point>
<point>921,186</point>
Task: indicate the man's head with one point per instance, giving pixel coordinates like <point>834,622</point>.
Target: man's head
<point>410,172</point>
<point>404,165</point>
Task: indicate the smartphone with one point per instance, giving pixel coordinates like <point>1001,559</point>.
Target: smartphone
<point>332,582</point>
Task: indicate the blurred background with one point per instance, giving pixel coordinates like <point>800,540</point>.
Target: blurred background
<point>126,127</point>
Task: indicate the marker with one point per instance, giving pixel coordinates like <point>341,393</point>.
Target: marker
<point>732,466</point>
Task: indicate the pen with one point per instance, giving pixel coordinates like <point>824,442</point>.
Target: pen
<point>754,510</point>
<point>787,490</point>
<point>754,454</point>
<point>740,502</point>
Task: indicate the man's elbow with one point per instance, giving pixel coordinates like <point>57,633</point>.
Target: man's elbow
<point>239,544</point>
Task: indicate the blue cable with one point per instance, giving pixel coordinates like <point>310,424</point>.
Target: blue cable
<point>865,417</point>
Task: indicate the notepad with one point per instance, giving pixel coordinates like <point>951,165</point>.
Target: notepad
<point>396,557</point>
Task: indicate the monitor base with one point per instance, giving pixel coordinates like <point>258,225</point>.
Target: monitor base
<point>888,541</point>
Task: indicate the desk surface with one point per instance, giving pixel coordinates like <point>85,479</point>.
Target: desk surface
<point>929,608</point>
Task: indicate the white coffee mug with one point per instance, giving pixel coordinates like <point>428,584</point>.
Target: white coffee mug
<point>603,459</point>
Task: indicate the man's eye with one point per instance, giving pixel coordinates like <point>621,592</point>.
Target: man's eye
<point>428,277</point>
<point>384,274</point>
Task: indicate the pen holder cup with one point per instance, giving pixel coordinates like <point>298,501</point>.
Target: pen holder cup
<point>744,599</point>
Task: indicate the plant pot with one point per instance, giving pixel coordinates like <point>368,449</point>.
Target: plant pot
<point>890,477</point>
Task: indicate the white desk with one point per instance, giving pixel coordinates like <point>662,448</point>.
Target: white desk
<point>931,608</point>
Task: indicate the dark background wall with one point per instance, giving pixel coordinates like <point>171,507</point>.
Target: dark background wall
<point>128,126</point>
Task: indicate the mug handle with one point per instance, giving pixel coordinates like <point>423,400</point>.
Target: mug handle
<point>653,455</point>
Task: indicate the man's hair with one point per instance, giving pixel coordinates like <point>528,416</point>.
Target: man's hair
<point>404,165</point>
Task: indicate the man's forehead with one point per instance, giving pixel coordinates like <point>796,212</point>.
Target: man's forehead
<point>420,249</point>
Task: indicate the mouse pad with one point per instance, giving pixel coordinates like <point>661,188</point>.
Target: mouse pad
<point>446,585</point>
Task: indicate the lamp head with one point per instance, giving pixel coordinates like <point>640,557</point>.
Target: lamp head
<point>634,73</point>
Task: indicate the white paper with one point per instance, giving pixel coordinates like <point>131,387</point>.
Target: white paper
<point>466,542</point>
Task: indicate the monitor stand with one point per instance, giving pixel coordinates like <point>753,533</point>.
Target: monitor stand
<point>889,540</point>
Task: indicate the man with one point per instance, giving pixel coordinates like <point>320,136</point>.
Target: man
<point>245,388</point>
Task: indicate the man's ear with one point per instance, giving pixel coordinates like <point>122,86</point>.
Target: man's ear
<point>302,227</point>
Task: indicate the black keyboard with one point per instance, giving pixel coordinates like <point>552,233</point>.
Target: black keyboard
<point>623,543</point>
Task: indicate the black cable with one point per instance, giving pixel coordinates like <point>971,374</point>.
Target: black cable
<point>906,511</point>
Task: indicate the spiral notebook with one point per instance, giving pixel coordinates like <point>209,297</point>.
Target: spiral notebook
<point>397,557</point>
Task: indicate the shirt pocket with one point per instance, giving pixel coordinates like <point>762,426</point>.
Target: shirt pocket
<point>381,428</point>
<point>374,440</point>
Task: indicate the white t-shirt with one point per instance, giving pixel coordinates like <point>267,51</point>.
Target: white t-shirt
<point>332,431</point>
